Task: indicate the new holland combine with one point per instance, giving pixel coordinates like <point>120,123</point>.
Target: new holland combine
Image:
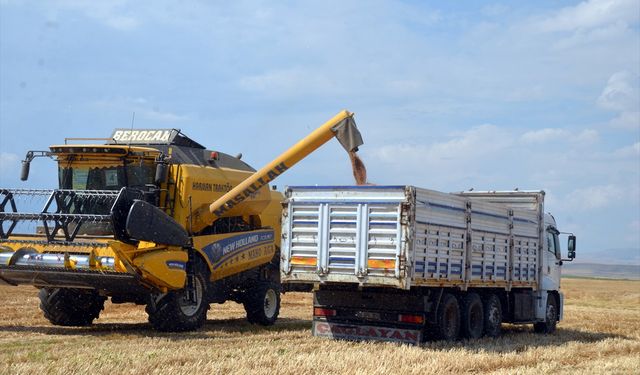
<point>133,220</point>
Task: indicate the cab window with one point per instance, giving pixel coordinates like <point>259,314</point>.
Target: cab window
<point>105,178</point>
<point>553,244</point>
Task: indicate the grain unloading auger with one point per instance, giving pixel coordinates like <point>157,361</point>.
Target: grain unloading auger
<point>133,220</point>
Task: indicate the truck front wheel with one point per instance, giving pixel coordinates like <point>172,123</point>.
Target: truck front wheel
<point>448,318</point>
<point>472,316</point>
<point>551,317</point>
<point>262,303</point>
<point>70,307</point>
<point>182,310</point>
<point>492,316</point>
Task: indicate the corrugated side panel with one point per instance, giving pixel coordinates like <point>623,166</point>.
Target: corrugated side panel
<point>440,237</point>
<point>525,246</point>
<point>526,208</point>
<point>490,234</point>
<point>344,234</point>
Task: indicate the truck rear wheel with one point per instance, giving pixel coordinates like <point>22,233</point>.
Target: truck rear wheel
<point>472,316</point>
<point>262,303</point>
<point>448,318</point>
<point>70,307</point>
<point>551,317</point>
<point>492,316</point>
<point>175,312</point>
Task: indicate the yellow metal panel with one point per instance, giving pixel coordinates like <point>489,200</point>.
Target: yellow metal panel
<point>205,184</point>
<point>164,268</point>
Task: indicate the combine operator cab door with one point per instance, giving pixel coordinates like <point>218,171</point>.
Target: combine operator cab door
<point>551,261</point>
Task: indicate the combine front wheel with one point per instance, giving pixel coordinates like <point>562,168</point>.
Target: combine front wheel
<point>185,309</point>
<point>70,307</point>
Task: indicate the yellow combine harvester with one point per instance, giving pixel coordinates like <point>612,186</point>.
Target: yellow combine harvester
<point>133,220</point>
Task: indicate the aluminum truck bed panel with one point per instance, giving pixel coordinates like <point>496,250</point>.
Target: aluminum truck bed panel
<point>358,231</point>
<point>403,236</point>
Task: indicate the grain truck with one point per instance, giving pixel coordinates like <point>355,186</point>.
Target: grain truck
<point>402,263</point>
<point>133,220</point>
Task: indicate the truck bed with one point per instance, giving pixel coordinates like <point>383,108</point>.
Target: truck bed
<point>405,236</point>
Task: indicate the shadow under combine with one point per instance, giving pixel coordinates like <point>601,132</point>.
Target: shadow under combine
<point>211,329</point>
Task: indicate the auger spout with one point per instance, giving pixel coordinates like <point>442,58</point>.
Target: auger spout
<point>342,126</point>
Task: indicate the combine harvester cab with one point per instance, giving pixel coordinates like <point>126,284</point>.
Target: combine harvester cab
<point>133,220</point>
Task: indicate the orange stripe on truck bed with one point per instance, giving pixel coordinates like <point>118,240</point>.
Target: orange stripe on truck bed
<point>304,261</point>
<point>376,263</point>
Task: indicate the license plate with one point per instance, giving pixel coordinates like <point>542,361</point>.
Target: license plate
<point>366,332</point>
<point>368,315</point>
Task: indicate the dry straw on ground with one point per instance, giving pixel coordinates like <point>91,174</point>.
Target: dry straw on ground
<point>600,334</point>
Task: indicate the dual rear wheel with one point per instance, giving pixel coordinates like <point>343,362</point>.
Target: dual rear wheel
<point>468,317</point>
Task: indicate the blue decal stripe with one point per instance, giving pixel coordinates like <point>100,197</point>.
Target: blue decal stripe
<point>524,220</point>
<point>341,260</point>
<point>490,215</point>
<point>446,207</point>
<point>441,225</point>
<point>238,251</point>
<point>214,250</point>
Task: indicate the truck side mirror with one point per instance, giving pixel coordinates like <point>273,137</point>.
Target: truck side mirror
<point>24,173</point>
<point>162,171</point>
<point>571,247</point>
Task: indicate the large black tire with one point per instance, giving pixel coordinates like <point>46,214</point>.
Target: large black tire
<point>551,317</point>
<point>492,316</point>
<point>472,319</point>
<point>70,307</point>
<point>262,303</point>
<point>172,312</point>
<point>448,318</point>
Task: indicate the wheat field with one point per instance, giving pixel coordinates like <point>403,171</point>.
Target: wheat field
<point>600,334</point>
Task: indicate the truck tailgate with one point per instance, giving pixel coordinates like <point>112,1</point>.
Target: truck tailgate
<point>346,234</point>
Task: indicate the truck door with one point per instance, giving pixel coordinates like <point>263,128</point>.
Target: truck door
<point>552,256</point>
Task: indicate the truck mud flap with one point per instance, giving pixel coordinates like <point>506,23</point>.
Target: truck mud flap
<point>366,332</point>
<point>109,281</point>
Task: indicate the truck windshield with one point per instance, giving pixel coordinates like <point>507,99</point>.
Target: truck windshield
<point>105,178</point>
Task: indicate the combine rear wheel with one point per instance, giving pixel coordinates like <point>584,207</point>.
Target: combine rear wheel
<point>262,303</point>
<point>70,307</point>
<point>177,311</point>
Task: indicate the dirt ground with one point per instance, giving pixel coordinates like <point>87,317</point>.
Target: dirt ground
<point>600,334</point>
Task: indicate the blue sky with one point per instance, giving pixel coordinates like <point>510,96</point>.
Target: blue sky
<point>448,95</point>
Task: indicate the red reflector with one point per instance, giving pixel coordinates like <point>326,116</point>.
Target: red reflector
<point>404,318</point>
<point>214,155</point>
<point>317,311</point>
